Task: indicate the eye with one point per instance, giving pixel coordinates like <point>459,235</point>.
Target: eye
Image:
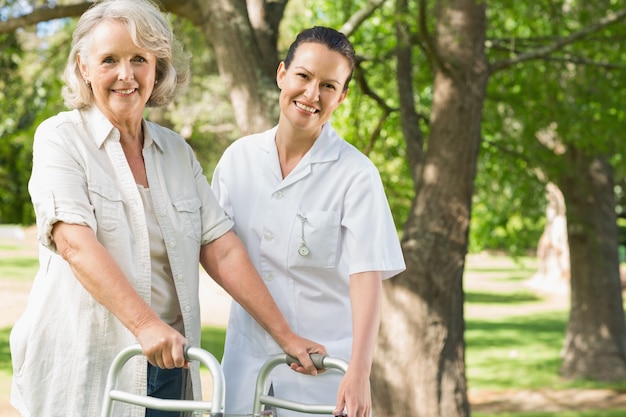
<point>302,75</point>
<point>108,60</point>
<point>329,86</point>
<point>139,59</point>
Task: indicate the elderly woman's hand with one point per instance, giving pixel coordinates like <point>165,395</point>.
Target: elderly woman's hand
<point>162,345</point>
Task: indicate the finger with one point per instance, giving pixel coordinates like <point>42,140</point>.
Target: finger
<point>178,355</point>
<point>307,363</point>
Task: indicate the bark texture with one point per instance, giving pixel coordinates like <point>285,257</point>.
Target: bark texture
<point>241,63</point>
<point>595,344</point>
<point>420,362</point>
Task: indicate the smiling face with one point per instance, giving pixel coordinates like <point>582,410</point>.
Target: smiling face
<point>312,87</point>
<point>121,74</point>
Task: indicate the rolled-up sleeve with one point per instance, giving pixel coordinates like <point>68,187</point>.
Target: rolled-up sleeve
<point>57,186</point>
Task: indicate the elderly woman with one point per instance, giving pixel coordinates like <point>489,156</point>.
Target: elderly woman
<point>125,216</point>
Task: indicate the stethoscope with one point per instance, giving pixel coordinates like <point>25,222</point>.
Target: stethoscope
<point>303,250</point>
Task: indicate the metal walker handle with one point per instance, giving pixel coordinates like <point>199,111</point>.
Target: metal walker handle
<point>216,405</point>
<point>321,362</point>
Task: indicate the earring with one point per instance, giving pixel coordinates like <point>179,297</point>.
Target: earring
<point>88,83</point>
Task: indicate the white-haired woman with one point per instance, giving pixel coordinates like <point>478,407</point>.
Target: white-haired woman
<point>124,215</point>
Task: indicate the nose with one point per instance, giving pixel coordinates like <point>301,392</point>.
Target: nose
<point>312,92</point>
<point>125,71</point>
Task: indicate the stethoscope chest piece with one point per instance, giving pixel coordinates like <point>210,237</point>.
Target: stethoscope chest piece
<point>303,250</point>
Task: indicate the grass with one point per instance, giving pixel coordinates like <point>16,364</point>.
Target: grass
<point>518,352</point>
<point>15,265</point>
<point>518,297</point>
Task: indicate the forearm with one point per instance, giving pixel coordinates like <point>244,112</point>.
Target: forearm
<point>365,300</point>
<point>101,276</point>
<point>227,262</point>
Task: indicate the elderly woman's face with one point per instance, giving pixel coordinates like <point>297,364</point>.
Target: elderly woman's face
<point>122,75</point>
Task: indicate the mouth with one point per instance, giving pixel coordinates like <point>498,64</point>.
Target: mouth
<point>306,108</point>
<point>125,92</point>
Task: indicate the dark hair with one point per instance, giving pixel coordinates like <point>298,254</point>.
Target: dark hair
<point>334,40</point>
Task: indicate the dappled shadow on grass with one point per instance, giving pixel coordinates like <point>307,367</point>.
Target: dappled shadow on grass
<point>476,297</point>
<point>520,351</point>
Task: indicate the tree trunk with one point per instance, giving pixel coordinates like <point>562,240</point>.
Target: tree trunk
<point>595,344</point>
<point>420,362</point>
<point>242,66</point>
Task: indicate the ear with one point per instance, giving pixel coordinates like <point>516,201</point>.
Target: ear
<point>280,74</point>
<point>82,66</point>
<point>343,95</point>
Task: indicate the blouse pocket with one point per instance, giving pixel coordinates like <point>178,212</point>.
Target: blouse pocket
<point>314,240</point>
<point>188,210</point>
<point>108,207</point>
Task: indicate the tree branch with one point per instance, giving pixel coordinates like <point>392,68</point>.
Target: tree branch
<point>543,52</point>
<point>360,16</point>
<point>43,14</point>
<point>359,75</point>
<point>427,43</point>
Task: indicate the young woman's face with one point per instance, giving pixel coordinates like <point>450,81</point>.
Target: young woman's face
<point>121,74</point>
<point>312,86</point>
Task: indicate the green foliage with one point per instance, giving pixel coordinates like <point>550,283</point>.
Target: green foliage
<point>31,93</point>
<point>212,339</point>
<point>562,96</point>
<point>535,110</point>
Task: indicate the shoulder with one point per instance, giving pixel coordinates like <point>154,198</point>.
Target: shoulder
<point>350,155</point>
<point>59,120</point>
<point>63,129</point>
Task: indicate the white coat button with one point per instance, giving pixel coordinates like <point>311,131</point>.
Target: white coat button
<point>268,236</point>
<point>269,276</point>
<point>278,195</point>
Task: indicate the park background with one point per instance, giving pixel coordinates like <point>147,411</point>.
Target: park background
<point>488,122</point>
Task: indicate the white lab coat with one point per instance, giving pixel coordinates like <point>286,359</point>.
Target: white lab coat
<point>348,229</point>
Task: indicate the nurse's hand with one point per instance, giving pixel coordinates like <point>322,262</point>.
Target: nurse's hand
<point>354,395</point>
<point>301,349</point>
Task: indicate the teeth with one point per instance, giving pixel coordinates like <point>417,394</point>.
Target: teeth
<point>126,91</point>
<point>307,108</point>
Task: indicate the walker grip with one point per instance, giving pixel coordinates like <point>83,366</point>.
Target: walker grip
<point>316,358</point>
